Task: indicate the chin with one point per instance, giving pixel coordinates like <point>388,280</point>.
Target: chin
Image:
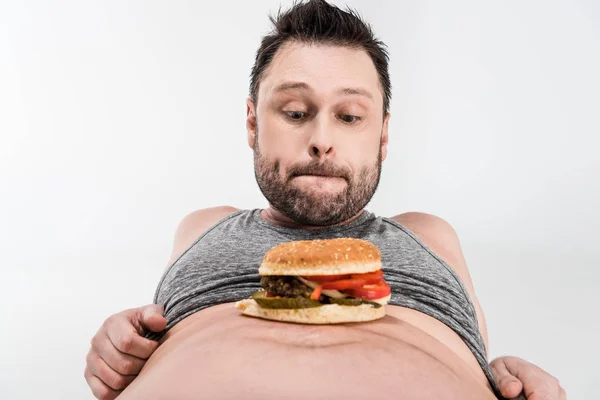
<point>321,191</point>
<point>317,199</point>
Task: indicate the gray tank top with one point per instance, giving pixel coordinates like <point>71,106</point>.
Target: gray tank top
<point>222,266</point>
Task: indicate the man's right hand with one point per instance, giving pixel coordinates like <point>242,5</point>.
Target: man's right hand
<point>119,350</point>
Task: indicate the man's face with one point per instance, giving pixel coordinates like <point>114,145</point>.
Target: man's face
<point>318,132</point>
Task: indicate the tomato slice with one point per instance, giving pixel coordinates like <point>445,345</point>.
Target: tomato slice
<point>371,276</point>
<point>316,293</point>
<point>329,278</point>
<point>354,281</point>
<point>371,292</point>
<point>337,285</point>
<point>346,284</point>
<point>325,278</point>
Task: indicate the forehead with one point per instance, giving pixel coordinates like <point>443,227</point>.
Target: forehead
<point>325,68</point>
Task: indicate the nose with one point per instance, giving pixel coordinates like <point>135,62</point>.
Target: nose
<point>321,141</point>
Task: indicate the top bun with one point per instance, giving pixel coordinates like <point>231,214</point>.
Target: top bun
<point>322,257</point>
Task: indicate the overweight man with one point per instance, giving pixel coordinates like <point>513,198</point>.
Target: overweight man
<point>317,123</point>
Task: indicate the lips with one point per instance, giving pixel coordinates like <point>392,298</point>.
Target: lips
<point>324,171</point>
<point>320,176</point>
<point>324,174</point>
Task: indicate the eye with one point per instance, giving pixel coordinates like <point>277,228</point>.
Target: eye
<point>295,115</point>
<point>349,119</point>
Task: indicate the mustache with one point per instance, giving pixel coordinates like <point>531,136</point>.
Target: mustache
<point>319,169</point>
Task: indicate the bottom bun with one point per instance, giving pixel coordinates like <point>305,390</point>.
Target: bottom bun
<point>326,314</point>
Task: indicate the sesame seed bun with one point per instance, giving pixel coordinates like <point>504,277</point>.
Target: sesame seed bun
<point>322,257</point>
<point>326,314</point>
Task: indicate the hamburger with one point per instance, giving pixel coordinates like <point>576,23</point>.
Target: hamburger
<point>320,282</point>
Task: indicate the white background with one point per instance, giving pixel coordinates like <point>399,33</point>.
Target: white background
<point>118,118</point>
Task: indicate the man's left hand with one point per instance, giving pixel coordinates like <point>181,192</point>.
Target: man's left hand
<point>516,376</point>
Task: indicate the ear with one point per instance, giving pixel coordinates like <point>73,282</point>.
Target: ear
<point>384,136</point>
<point>251,122</point>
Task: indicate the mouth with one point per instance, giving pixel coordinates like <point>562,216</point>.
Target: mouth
<point>320,174</point>
<point>319,177</point>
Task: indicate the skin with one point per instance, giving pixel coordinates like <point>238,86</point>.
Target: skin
<point>309,144</point>
<point>323,135</point>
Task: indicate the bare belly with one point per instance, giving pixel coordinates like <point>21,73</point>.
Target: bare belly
<point>219,354</point>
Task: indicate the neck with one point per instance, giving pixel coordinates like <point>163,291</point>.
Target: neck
<point>276,217</point>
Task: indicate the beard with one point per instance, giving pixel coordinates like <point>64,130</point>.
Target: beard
<point>309,207</point>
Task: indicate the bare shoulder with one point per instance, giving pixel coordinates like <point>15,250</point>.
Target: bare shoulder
<point>431,229</point>
<point>426,223</point>
<point>195,224</point>
<point>441,238</point>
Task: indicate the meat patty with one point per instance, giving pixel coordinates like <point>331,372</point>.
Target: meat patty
<point>285,286</point>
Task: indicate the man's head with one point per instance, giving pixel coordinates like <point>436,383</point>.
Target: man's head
<point>318,113</point>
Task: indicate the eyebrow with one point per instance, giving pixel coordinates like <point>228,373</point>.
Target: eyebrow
<point>355,91</point>
<point>347,91</point>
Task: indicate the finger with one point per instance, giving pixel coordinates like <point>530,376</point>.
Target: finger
<point>151,318</point>
<point>122,363</point>
<point>99,389</point>
<point>563,394</point>
<point>544,391</point>
<point>510,386</point>
<point>127,340</point>
<point>106,374</point>
<point>541,395</point>
<point>535,381</point>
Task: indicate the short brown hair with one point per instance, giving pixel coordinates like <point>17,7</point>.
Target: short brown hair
<point>318,22</point>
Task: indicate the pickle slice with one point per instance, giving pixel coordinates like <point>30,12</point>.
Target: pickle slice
<point>353,302</point>
<point>283,302</point>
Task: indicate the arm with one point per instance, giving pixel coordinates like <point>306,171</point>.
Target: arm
<point>514,375</point>
<point>119,349</point>
<point>440,237</point>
